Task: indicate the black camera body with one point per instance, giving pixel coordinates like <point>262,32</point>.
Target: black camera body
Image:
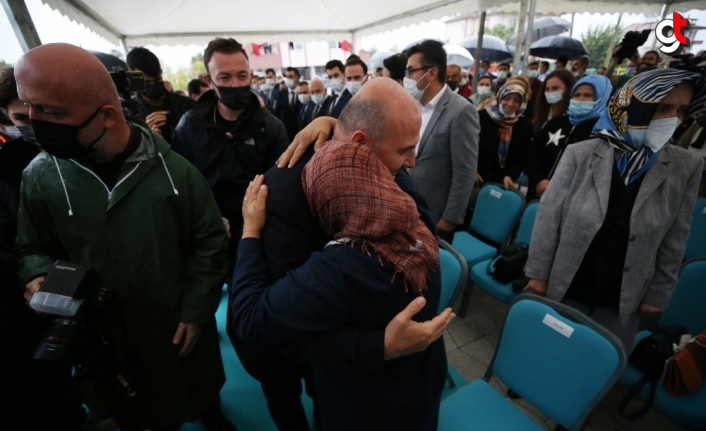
<point>631,41</point>
<point>74,292</point>
<point>128,82</point>
<point>690,63</point>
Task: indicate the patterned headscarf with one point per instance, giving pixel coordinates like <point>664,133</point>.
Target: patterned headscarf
<point>355,198</point>
<point>602,89</point>
<point>495,110</point>
<point>634,106</point>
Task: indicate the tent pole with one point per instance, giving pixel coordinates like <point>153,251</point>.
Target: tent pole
<point>123,45</point>
<point>22,24</point>
<point>571,32</point>
<point>521,38</point>
<point>530,27</point>
<point>479,52</point>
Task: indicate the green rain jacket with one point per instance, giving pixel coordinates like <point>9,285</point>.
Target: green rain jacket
<point>158,243</point>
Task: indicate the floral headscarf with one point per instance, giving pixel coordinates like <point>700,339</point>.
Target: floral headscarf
<point>495,110</point>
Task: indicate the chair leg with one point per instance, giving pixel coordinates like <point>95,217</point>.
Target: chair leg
<point>450,379</point>
<point>465,300</point>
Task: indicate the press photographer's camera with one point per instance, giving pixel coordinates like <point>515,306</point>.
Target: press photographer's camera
<point>73,293</point>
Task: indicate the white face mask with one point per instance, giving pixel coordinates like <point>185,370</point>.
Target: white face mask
<point>532,73</point>
<point>656,135</point>
<point>554,98</point>
<point>264,87</point>
<point>270,81</point>
<point>502,75</point>
<point>318,98</point>
<point>483,89</point>
<point>411,86</point>
<point>11,131</point>
<point>290,83</point>
<point>354,86</point>
<point>337,85</point>
<point>502,111</point>
<point>463,83</point>
<point>304,98</point>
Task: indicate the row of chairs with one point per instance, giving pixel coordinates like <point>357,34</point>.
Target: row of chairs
<point>526,362</point>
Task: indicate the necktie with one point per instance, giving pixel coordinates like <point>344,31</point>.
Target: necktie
<point>333,104</point>
<point>316,111</point>
<point>292,99</point>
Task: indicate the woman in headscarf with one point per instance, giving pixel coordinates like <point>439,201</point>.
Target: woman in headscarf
<point>589,99</point>
<point>505,136</point>
<point>553,98</point>
<point>382,256</point>
<point>612,227</point>
<point>484,96</point>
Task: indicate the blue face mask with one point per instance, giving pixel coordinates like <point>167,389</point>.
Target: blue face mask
<point>580,109</point>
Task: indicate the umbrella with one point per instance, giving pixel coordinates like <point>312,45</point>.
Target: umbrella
<point>376,60</point>
<point>543,27</point>
<point>554,46</point>
<point>458,55</point>
<point>494,48</point>
<point>422,40</point>
<point>109,61</point>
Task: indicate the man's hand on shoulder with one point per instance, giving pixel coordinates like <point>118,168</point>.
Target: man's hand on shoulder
<point>404,336</point>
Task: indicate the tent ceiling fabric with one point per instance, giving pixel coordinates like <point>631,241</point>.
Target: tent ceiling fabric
<point>184,22</point>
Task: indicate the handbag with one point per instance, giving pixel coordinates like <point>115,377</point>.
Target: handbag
<point>687,369</point>
<point>508,265</point>
<point>650,356</point>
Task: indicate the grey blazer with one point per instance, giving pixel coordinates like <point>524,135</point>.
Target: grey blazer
<point>573,209</point>
<point>447,157</point>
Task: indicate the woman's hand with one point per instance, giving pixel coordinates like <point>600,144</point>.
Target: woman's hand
<point>542,187</point>
<point>647,310</point>
<point>509,183</point>
<point>479,179</point>
<point>317,132</point>
<point>254,208</point>
<point>538,287</point>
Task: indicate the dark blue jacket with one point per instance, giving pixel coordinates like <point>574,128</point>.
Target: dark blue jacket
<point>305,114</point>
<point>340,104</point>
<point>339,287</point>
<point>288,114</point>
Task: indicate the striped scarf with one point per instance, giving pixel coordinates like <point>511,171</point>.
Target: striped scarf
<point>634,106</point>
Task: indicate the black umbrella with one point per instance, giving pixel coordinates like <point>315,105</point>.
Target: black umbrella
<point>494,48</point>
<point>109,61</point>
<point>543,27</point>
<point>554,46</point>
<point>417,42</point>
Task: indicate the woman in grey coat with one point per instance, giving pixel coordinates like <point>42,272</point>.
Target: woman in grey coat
<point>612,227</point>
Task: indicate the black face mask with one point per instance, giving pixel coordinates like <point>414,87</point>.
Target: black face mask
<point>154,91</point>
<point>452,85</point>
<point>61,140</point>
<point>235,98</point>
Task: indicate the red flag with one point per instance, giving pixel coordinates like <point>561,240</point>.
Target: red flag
<point>257,49</point>
<point>345,46</point>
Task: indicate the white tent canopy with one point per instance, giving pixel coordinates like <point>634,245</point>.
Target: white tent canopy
<point>183,22</point>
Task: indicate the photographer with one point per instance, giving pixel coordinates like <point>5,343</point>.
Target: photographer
<point>109,194</point>
<point>159,107</point>
<point>649,60</point>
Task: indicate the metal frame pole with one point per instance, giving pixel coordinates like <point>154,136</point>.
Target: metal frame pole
<point>530,27</point>
<point>22,24</point>
<point>521,37</point>
<point>479,51</point>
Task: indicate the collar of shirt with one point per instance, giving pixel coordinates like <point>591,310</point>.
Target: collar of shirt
<point>428,111</point>
<point>434,101</point>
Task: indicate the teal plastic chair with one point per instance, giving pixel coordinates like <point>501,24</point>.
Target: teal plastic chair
<point>696,244</point>
<point>686,308</point>
<point>494,219</point>
<point>554,357</point>
<point>479,272</point>
<point>454,277</point>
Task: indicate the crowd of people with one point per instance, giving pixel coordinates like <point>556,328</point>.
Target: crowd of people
<point>319,204</point>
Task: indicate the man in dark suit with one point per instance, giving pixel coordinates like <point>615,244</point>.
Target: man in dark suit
<point>319,98</point>
<point>304,97</point>
<point>288,105</point>
<point>336,75</point>
<point>271,81</point>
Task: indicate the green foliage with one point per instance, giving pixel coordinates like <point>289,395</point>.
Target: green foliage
<point>180,77</point>
<point>598,40</point>
<point>502,31</point>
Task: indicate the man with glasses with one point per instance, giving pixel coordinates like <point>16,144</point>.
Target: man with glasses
<point>159,108</point>
<point>447,153</point>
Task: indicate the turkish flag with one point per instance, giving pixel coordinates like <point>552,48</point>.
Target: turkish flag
<point>257,49</point>
<point>345,46</point>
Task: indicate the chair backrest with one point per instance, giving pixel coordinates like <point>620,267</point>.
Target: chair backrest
<point>686,308</point>
<point>696,244</point>
<point>454,274</point>
<point>556,358</point>
<point>496,213</point>
<point>524,233</point>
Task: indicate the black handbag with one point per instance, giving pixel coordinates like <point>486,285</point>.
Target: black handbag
<point>649,356</point>
<point>508,265</point>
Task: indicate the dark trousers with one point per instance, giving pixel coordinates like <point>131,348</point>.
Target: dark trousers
<point>280,378</point>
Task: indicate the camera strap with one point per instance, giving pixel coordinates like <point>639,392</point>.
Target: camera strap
<point>115,371</point>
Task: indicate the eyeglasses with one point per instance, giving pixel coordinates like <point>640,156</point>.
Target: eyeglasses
<point>408,72</point>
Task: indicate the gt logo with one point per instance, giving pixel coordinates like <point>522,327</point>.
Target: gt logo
<point>673,43</point>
